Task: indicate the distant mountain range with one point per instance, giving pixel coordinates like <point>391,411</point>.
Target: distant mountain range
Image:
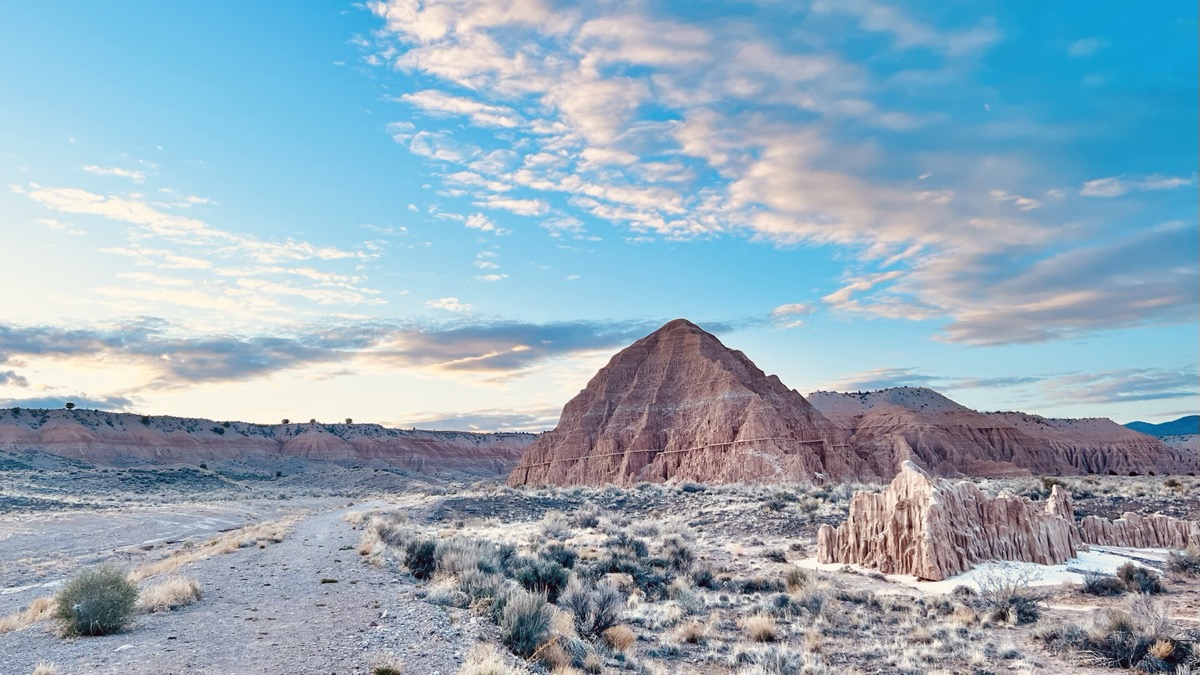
<point>1180,427</point>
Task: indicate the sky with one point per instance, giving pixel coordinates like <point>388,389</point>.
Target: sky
<point>451,214</point>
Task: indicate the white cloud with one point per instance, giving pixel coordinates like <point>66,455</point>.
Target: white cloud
<point>1022,203</point>
<point>521,207</point>
<point>480,114</point>
<point>132,174</point>
<point>450,305</point>
<point>491,278</point>
<point>1115,186</point>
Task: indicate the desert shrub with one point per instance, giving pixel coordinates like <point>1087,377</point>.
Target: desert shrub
<point>678,554</point>
<point>1006,596</point>
<point>387,668</point>
<point>620,637</point>
<point>1186,563</point>
<point>420,557</point>
<point>694,632</point>
<point>169,594</point>
<point>795,579</point>
<point>525,622</point>
<point>96,601</point>
<point>586,516</point>
<point>460,555</point>
<point>1097,583</point>
<point>1138,636</point>
<point>629,545</point>
<point>555,526</point>
<point>758,584</point>
<point>480,585</point>
<point>485,660</point>
<point>595,608</point>
<point>1138,579</point>
<point>1048,483</point>
<point>703,576</point>
<point>558,553</point>
<point>760,627</point>
<point>543,576</point>
<point>690,488</point>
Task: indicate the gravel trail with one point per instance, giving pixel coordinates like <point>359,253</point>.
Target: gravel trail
<point>267,611</point>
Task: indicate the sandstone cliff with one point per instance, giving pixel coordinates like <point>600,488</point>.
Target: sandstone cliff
<point>118,438</point>
<point>932,529</point>
<point>680,405</point>
<point>920,425</point>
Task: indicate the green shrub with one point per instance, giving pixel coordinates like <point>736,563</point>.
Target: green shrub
<point>97,601</point>
<point>560,554</point>
<point>678,554</point>
<point>543,576</point>
<point>596,608</point>
<point>420,557</point>
<point>525,622</point>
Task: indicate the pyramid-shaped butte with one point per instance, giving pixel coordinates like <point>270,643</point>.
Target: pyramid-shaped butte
<point>680,405</point>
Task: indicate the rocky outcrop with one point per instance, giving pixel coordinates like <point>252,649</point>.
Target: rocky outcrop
<point>933,531</point>
<point>1138,531</point>
<point>947,439</point>
<point>99,437</point>
<point>679,405</point>
<point>1100,445</point>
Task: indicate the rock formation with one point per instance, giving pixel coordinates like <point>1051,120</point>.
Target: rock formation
<point>931,529</point>
<point>1100,445</point>
<point>680,405</point>
<point>920,425</point>
<point>1138,531</point>
<point>119,438</point>
<point>934,531</point>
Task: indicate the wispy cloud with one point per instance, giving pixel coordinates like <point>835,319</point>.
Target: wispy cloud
<point>84,401</point>
<point>1115,186</point>
<point>132,174</point>
<point>691,127</point>
<point>179,359</point>
<point>485,420</point>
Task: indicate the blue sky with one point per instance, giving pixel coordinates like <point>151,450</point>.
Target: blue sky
<point>451,214</point>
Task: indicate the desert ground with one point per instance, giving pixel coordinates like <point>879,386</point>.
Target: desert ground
<point>347,571</point>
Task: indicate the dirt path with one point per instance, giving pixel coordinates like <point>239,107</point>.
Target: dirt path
<point>266,611</point>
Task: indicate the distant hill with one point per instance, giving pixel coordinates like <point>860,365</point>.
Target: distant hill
<point>1180,427</point>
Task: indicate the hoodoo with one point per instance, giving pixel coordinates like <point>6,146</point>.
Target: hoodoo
<point>678,404</point>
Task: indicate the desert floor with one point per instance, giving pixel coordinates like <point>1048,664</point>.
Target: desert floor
<point>310,576</point>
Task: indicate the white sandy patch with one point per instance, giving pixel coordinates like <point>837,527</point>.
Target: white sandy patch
<point>1104,559</point>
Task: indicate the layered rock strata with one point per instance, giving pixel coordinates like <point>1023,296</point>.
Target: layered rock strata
<point>98,437</point>
<point>679,405</point>
<point>947,439</point>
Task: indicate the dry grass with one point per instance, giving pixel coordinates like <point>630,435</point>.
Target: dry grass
<point>45,668</point>
<point>269,532</point>
<point>486,660</point>
<point>38,610</point>
<point>620,637</point>
<point>760,628</point>
<point>693,633</point>
<point>169,594</point>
